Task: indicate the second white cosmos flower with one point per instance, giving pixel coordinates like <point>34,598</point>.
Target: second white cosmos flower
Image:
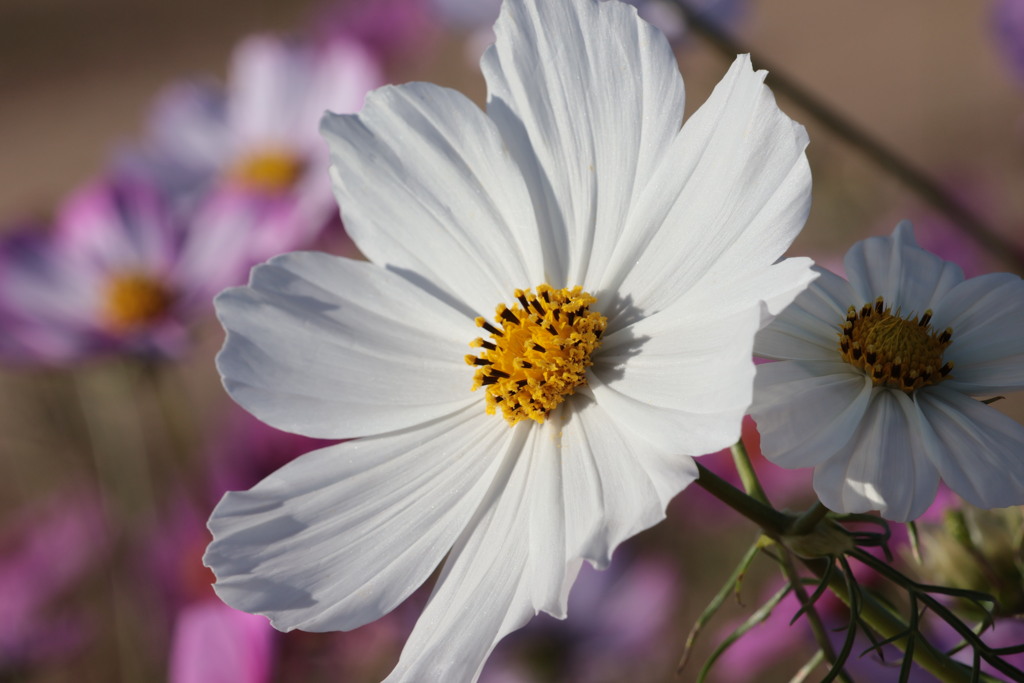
<point>876,379</point>
<point>606,271</point>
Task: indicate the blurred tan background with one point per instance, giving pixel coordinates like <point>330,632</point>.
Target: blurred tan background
<point>923,76</point>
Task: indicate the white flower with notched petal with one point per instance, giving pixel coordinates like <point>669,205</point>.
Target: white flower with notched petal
<point>876,376</point>
<point>630,262</point>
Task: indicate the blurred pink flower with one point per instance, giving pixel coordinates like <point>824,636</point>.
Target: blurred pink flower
<point>117,274</point>
<point>255,146</point>
<point>213,643</point>
<point>46,549</point>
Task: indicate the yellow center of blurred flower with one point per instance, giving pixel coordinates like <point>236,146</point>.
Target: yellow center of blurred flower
<point>269,171</point>
<point>134,299</point>
<point>539,353</point>
<point>904,353</point>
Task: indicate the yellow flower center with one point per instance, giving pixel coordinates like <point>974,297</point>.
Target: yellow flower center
<point>133,299</point>
<point>904,353</point>
<point>270,171</point>
<point>539,353</point>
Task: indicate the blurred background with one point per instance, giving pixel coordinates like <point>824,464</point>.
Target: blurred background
<point>153,152</point>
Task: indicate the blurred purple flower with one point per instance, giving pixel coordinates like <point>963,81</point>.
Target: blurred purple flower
<point>392,30</point>
<point>117,274</point>
<point>45,551</point>
<point>255,147</point>
<point>1008,26</point>
<point>620,626</point>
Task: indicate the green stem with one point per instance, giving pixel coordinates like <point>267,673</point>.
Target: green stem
<point>876,616</point>
<point>768,518</point>
<point>748,476</point>
<point>806,522</point>
<point>918,181</point>
<point>813,618</point>
<point>888,625</point>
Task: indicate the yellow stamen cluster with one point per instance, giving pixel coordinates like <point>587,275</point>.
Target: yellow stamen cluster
<point>269,171</point>
<point>134,299</point>
<point>539,353</point>
<point>904,353</point>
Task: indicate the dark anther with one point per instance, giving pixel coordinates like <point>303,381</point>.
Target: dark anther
<point>925,319</point>
<point>598,332</point>
<point>522,300</point>
<point>857,353</point>
<point>499,373</point>
<point>488,379</point>
<point>545,295</point>
<point>538,347</point>
<point>492,329</point>
<point>896,369</point>
<point>522,383</point>
<point>537,307</point>
<point>488,345</point>
<point>946,335</point>
<point>865,311</point>
<point>844,344</point>
<point>509,316</point>
<point>499,399</point>
<point>871,357</point>
<point>525,364</point>
<point>481,361</point>
<point>552,330</point>
<point>879,372</point>
<point>557,313</point>
<point>572,317</point>
<point>946,369</point>
<point>879,305</point>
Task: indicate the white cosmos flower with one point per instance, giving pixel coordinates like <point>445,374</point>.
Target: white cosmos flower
<point>875,383</point>
<point>578,175</point>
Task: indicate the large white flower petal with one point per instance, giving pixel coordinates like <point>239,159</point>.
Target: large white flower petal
<point>491,583</point>
<point>340,536</point>
<point>732,192</point>
<point>589,98</point>
<point>986,314</point>
<point>809,329</point>
<point>907,277</point>
<point>885,467</point>
<point>681,378</point>
<point>329,347</point>
<point>614,484</point>
<point>428,188</point>
<point>807,410</point>
<point>579,487</point>
<point>977,449</point>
